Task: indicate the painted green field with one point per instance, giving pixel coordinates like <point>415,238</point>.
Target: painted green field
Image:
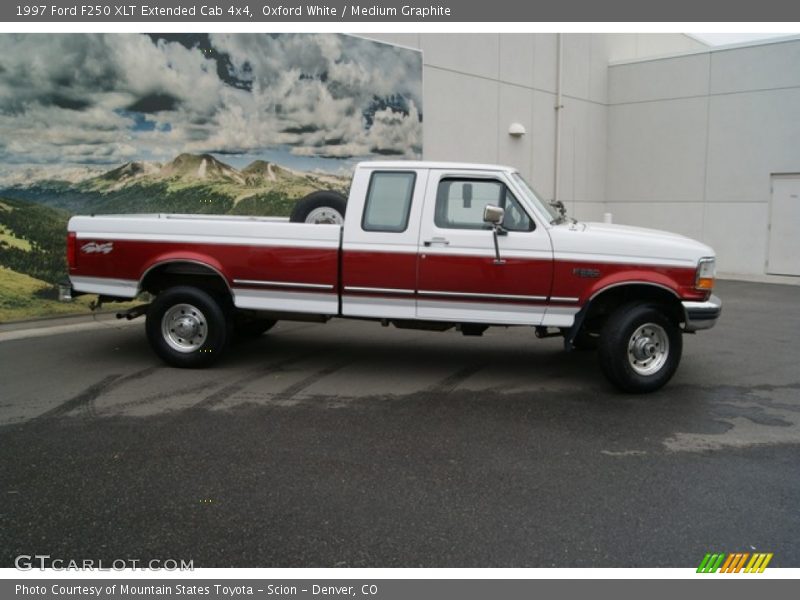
<point>33,217</point>
<point>8,238</point>
<point>19,298</point>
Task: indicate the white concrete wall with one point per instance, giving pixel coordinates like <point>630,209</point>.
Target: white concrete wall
<point>693,141</point>
<point>685,143</point>
<point>476,85</point>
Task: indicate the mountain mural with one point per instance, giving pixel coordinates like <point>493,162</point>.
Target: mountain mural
<point>34,212</point>
<point>194,183</point>
<point>216,123</point>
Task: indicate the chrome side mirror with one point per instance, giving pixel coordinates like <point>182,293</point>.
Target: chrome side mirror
<point>493,214</point>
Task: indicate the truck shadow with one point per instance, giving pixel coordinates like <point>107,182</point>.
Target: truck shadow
<point>332,366</point>
<point>413,361</point>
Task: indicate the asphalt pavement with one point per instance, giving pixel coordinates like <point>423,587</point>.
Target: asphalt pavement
<point>353,445</point>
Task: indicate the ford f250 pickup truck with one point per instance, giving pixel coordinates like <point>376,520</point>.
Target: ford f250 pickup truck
<point>416,244</point>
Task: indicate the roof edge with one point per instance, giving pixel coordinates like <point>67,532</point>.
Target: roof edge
<point>708,50</point>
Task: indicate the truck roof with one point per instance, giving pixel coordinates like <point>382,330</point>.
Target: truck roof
<point>429,164</point>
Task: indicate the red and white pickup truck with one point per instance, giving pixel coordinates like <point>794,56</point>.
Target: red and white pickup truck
<point>417,244</point>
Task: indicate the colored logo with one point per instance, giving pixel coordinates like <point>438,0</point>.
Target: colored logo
<point>735,562</point>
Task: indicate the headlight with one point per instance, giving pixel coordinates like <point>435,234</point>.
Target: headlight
<point>706,270</point>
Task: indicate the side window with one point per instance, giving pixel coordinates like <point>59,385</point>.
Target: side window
<point>388,202</point>
<point>460,204</point>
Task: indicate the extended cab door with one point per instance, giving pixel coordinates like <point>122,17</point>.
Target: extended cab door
<point>379,247</point>
<point>459,278</point>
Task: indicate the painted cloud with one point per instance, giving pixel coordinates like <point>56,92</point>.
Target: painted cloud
<point>79,99</point>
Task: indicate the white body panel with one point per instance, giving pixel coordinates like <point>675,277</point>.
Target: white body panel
<point>275,300</point>
<point>622,244</point>
<point>206,229</point>
<point>122,288</point>
<point>379,308</point>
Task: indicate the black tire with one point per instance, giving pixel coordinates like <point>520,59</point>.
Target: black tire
<point>316,203</point>
<point>640,348</point>
<point>193,312</point>
<point>250,328</point>
<point>585,341</point>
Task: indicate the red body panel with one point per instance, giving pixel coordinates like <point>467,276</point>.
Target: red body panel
<point>480,275</point>
<point>131,259</point>
<point>431,272</point>
<point>390,270</point>
<point>569,283</point>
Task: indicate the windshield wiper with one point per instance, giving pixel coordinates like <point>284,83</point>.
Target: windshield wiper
<point>562,213</point>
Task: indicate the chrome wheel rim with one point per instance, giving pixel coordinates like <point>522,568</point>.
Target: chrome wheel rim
<point>325,215</point>
<point>648,349</point>
<point>184,328</point>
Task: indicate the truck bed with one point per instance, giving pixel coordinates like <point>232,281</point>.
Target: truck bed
<point>267,263</point>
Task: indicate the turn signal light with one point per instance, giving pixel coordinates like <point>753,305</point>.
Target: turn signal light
<point>706,271</point>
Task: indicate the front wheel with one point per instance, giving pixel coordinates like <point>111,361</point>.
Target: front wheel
<point>640,348</point>
<point>187,327</point>
<point>585,341</point>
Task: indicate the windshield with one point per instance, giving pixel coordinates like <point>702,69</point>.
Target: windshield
<point>535,198</point>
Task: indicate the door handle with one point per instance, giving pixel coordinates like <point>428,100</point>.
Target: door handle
<point>437,240</point>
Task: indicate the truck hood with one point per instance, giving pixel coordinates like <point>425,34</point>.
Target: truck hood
<point>604,242</point>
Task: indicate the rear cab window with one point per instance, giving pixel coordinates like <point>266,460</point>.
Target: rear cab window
<point>388,204</point>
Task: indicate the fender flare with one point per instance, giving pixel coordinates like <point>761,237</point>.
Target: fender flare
<point>580,316</point>
<point>202,261</point>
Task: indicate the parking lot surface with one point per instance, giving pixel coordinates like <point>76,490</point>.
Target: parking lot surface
<point>353,445</point>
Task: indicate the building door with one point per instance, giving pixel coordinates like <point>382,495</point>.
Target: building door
<point>784,220</point>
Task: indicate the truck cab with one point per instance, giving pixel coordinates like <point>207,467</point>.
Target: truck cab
<point>416,246</point>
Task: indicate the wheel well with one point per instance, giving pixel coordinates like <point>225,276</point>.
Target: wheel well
<point>601,306</point>
<point>167,275</point>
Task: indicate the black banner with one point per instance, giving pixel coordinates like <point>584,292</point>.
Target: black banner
<point>732,588</point>
<point>387,11</point>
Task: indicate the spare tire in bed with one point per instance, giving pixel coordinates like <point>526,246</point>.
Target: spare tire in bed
<point>320,207</point>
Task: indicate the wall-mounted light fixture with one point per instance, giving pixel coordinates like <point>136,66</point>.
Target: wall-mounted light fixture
<point>516,130</point>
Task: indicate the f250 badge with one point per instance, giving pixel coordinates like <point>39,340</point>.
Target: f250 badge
<point>584,272</point>
<point>95,248</point>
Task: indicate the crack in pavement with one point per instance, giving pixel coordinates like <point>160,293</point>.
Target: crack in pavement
<point>451,382</point>
<point>84,400</point>
<point>239,384</point>
<point>307,382</point>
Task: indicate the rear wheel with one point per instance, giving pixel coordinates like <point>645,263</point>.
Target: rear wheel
<point>640,348</point>
<point>187,327</point>
<point>320,207</point>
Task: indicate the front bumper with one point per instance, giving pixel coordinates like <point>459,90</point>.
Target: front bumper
<point>701,315</point>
